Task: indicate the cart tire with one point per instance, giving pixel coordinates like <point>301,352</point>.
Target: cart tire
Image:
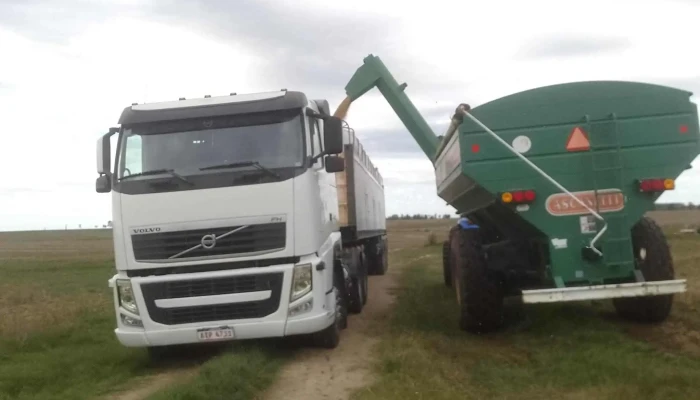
<point>479,293</point>
<point>654,260</point>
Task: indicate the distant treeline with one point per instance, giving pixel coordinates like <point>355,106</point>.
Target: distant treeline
<point>420,216</point>
<point>676,206</point>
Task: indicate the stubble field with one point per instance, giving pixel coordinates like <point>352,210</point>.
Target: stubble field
<point>57,341</point>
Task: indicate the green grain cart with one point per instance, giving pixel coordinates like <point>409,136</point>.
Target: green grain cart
<point>553,184</point>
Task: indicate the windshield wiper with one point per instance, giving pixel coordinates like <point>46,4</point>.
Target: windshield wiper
<point>157,172</point>
<point>243,164</point>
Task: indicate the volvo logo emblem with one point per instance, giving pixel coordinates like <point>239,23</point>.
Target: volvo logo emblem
<point>209,241</point>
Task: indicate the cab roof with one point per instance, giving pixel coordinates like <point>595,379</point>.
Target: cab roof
<point>212,106</point>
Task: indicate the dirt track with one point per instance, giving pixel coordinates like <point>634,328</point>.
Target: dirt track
<point>322,374</point>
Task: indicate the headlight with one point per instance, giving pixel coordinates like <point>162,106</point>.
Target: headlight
<point>301,281</point>
<point>126,296</point>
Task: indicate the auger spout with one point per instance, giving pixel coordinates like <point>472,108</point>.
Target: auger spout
<point>372,74</point>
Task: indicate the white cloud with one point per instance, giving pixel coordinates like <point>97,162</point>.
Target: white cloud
<point>58,96</point>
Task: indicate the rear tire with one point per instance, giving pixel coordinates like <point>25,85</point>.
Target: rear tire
<point>358,292</point>
<point>446,268</point>
<point>385,256</point>
<point>479,293</point>
<point>654,260</point>
<point>378,262</point>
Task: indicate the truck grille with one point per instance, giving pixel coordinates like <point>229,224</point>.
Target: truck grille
<point>208,287</point>
<point>253,238</point>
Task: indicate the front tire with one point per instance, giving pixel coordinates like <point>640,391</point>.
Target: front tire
<point>654,260</point>
<point>479,292</point>
<point>329,338</point>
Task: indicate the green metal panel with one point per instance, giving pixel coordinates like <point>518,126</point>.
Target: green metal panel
<point>636,131</point>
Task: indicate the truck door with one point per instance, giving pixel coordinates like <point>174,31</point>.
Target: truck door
<point>328,195</point>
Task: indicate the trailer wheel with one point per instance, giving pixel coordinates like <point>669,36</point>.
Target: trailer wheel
<point>385,256</point>
<point>379,261</point>
<point>479,293</point>
<point>358,291</point>
<point>653,259</point>
<point>365,278</point>
<point>446,268</point>
<point>330,336</point>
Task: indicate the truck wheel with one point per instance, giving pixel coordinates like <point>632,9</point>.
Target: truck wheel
<point>330,336</point>
<point>358,291</point>
<point>379,262</point>
<point>365,279</point>
<point>653,259</point>
<point>446,269</point>
<point>385,257</point>
<point>479,293</point>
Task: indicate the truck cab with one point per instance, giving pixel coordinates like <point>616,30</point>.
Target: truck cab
<point>225,219</point>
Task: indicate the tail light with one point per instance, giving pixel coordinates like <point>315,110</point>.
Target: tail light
<point>518,197</point>
<point>656,185</point>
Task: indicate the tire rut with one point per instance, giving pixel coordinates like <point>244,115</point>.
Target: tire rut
<point>317,374</point>
<point>149,385</point>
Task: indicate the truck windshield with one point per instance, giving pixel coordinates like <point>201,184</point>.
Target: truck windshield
<point>273,140</point>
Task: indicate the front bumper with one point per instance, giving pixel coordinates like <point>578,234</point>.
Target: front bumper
<point>251,330</point>
<point>157,331</point>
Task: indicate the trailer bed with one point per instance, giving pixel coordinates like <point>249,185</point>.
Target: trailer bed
<point>360,193</point>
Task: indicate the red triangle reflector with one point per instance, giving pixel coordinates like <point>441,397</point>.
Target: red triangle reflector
<point>578,140</point>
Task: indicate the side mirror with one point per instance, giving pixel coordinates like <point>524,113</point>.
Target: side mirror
<point>103,184</point>
<point>335,164</point>
<point>104,152</point>
<point>333,135</point>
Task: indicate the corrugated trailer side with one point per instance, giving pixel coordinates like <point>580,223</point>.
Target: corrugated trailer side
<point>361,204</point>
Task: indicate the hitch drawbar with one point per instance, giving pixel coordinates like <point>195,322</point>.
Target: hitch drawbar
<point>599,292</point>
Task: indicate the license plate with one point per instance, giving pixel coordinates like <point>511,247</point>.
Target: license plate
<point>213,334</point>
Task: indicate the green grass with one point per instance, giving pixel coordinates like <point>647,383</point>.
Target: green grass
<point>76,362</point>
<point>243,372</point>
<point>57,329</point>
<point>547,351</point>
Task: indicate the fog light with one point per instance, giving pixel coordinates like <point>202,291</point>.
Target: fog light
<point>302,308</point>
<point>129,321</point>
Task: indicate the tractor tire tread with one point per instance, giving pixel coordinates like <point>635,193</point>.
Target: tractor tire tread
<point>657,266</point>
<point>481,293</point>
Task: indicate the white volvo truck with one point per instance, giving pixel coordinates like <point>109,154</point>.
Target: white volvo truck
<point>238,217</point>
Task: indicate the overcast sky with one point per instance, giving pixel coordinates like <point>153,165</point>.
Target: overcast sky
<point>68,68</point>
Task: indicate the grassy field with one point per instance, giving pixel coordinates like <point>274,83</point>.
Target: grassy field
<point>568,351</point>
<point>57,321</point>
<point>57,341</point>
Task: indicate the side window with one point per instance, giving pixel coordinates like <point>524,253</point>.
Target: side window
<point>133,163</point>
